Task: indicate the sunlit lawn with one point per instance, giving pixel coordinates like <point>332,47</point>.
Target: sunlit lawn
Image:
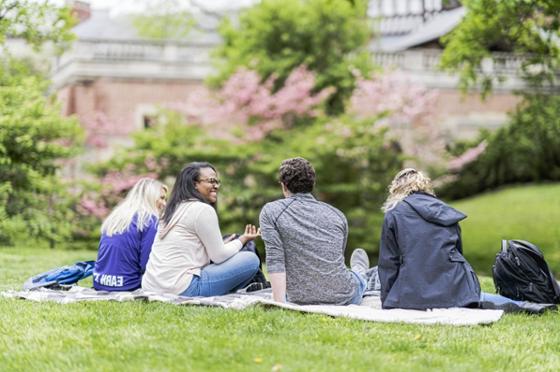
<point>525,212</point>
<point>143,336</point>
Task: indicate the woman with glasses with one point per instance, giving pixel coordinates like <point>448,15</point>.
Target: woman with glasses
<point>189,256</point>
<point>127,235</point>
<point>421,262</point>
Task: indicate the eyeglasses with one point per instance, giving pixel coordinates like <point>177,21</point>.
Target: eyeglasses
<point>212,181</point>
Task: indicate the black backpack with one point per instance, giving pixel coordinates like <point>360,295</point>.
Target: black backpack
<point>521,273</point>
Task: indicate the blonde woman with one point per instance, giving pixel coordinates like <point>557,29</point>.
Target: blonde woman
<point>421,263</point>
<point>127,235</point>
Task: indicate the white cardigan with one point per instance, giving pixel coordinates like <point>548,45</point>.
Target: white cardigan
<point>184,246</point>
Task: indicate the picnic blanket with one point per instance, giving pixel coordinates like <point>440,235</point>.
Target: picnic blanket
<point>369,310</point>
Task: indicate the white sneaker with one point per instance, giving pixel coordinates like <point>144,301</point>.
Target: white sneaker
<point>359,261</point>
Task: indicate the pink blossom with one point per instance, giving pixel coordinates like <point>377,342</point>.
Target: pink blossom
<point>458,163</point>
<point>88,206</point>
<point>252,105</point>
<point>117,182</point>
<point>97,127</point>
<point>407,109</point>
<point>392,95</point>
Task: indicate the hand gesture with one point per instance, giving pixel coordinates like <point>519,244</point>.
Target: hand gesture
<point>251,232</point>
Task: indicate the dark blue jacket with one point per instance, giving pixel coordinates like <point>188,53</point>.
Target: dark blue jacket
<point>421,263</point>
<point>122,258</point>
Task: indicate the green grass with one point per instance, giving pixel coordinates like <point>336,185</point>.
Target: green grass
<point>140,336</point>
<point>529,213</point>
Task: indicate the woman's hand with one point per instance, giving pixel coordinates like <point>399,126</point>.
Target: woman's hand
<point>251,232</point>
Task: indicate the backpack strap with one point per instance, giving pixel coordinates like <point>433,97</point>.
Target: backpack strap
<point>504,245</point>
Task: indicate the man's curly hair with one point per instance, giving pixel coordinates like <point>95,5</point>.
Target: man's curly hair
<point>298,175</point>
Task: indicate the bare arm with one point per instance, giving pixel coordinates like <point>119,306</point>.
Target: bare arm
<point>278,282</point>
<point>274,257</point>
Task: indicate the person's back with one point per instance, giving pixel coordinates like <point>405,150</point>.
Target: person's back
<point>122,258</point>
<point>127,235</point>
<point>311,253</point>
<point>421,263</point>
<point>421,245</point>
<point>305,241</point>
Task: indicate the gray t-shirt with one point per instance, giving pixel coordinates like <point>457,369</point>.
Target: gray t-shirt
<point>306,239</point>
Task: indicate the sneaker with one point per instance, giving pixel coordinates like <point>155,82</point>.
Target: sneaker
<point>359,262</point>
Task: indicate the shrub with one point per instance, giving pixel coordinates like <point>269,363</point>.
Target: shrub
<point>525,150</point>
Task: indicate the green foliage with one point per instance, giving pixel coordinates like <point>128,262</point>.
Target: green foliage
<point>351,157</point>
<point>525,150</point>
<point>33,139</point>
<point>171,144</point>
<point>163,20</point>
<point>142,335</point>
<point>37,22</point>
<point>530,28</point>
<point>275,36</point>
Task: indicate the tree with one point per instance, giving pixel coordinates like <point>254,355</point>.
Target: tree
<point>164,20</point>
<point>526,149</point>
<point>33,135</point>
<point>274,37</point>
<point>35,22</point>
<point>530,29</point>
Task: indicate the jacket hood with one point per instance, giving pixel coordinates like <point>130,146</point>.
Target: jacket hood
<point>434,210</point>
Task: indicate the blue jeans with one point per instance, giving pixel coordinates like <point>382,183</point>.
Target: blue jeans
<point>497,299</point>
<point>228,276</point>
<point>359,294</point>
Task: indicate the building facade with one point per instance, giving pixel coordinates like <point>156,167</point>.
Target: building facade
<point>114,81</point>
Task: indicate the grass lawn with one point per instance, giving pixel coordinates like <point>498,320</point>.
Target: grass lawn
<point>154,336</point>
<point>529,213</point>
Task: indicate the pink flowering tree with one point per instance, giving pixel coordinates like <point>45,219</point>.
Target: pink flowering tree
<point>406,109</point>
<point>254,107</point>
<point>95,203</point>
<point>98,127</point>
<point>456,164</point>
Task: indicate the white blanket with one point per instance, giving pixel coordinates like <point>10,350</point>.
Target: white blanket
<point>369,310</point>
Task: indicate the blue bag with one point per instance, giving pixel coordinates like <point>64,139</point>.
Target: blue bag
<point>62,275</point>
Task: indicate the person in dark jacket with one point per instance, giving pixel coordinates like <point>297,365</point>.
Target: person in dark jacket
<point>421,262</point>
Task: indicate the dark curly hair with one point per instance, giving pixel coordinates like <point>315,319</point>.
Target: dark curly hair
<point>298,175</point>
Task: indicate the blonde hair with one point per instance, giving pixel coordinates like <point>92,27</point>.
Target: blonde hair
<point>406,182</point>
<point>141,201</point>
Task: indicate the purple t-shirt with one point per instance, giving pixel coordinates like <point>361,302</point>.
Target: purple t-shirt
<point>122,258</point>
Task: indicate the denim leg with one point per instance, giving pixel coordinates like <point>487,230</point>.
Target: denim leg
<point>497,299</point>
<point>219,279</point>
<point>360,289</point>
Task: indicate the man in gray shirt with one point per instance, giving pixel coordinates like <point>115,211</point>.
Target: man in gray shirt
<point>305,241</point>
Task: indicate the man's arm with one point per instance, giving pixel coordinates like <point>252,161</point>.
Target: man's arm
<point>274,255</point>
<point>278,283</point>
